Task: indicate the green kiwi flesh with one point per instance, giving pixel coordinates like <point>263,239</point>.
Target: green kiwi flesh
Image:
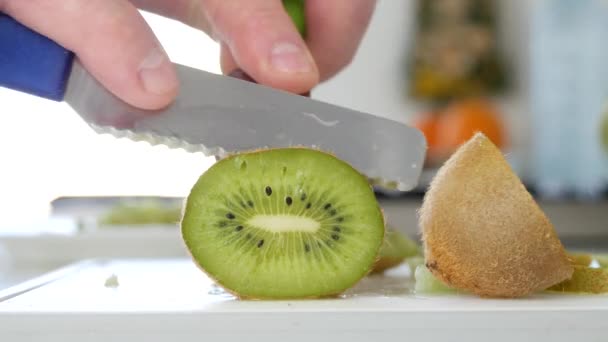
<point>395,249</point>
<point>283,223</point>
<point>413,263</point>
<point>427,283</point>
<point>584,280</point>
<point>580,259</point>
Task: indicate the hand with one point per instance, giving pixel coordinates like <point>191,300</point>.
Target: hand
<point>115,44</point>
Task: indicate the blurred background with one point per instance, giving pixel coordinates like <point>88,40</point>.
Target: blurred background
<point>532,75</point>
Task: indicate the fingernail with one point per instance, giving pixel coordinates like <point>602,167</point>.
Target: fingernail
<point>288,57</point>
<point>157,74</point>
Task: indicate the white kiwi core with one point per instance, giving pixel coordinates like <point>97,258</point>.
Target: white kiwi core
<point>284,223</point>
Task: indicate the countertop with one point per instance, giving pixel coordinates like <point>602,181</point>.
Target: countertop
<point>160,300</point>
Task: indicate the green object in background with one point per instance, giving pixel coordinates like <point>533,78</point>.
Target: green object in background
<point>601,259</point>
<point>137,214</point>
<point>604,132</point>
<point>456,52</point>
<point>295,9</point>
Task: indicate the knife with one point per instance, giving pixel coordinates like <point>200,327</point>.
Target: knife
<point>215,114</point>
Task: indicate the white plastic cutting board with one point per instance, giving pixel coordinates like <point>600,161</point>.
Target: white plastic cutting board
<point>172,300</point>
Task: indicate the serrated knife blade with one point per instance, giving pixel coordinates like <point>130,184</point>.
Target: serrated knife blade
<point>214,114</point>
<point>220,115</point>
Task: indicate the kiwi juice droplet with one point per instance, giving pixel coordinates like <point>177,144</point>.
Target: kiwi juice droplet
<point>216,290</point>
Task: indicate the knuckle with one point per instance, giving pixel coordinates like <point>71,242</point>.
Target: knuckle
<point>229,20</point>
<point>332,65</point>
<point>117,18</point>
<point>194,15</point>
<point>215,13</point>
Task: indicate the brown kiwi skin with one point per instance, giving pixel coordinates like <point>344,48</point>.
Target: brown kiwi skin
<point>497,244</point>
<point>253,298</point>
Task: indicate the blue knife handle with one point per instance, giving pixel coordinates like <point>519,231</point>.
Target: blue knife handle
<point>32,63</point>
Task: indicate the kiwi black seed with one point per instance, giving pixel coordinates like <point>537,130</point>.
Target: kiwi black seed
<point>301,224</point>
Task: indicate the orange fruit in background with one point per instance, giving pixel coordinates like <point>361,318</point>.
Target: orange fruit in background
<point>462,119</point>
<point>427,123</point>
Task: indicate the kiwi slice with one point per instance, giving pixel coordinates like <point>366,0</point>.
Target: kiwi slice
<point>283,223</point>
<point>395,249</point>
<point>483,232</point>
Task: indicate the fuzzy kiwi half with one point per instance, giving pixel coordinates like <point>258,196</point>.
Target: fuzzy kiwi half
<point>396,248</point>
<point>483,232</point>
<point>584,280</point>
<point>283,223</point>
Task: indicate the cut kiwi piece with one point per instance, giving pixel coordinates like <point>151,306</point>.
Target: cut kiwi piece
<point>584,280</point>
<point>427,283</point>
<point>413,263</point>
<point>395,249</point>
<point>580,259</point>
<point>483,232</point>
<point>283,223</point>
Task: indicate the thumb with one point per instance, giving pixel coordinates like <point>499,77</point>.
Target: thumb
<point>260,38</point>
